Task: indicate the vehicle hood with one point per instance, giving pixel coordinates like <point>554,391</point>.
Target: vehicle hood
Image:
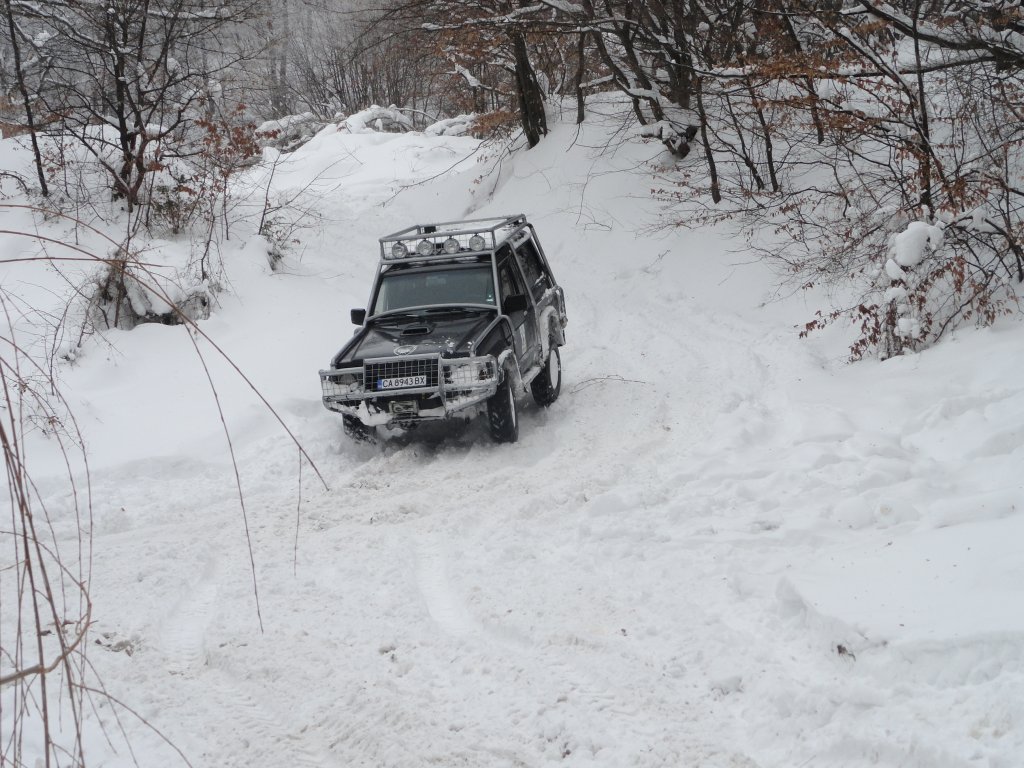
<point>449,336</point>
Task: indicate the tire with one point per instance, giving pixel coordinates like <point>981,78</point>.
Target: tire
<point>355,429</point>
<point>502,413</point>
<point>548,383</point>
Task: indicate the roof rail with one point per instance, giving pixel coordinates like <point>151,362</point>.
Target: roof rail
<point>449,238</point>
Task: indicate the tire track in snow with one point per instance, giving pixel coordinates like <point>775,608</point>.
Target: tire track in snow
<point>255,736</point>
<point>250,733</point>
<point>580,709</point>
<point>369,730</point>
<point>182,638</point>
<point>445,608</point>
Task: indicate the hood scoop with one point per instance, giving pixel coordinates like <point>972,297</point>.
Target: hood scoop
<point>416,330</point>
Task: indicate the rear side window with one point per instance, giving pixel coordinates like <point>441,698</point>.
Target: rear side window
<point>536,276</point>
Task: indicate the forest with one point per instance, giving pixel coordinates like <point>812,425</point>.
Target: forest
<point>870,145</point>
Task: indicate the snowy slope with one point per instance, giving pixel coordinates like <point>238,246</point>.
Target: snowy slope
<point>720,547</point>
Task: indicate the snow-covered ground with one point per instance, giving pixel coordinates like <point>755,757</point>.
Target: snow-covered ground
<point>721,547</point>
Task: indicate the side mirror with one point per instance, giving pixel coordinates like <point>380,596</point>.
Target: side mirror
<point>358,316</point>
<point>515,303</point>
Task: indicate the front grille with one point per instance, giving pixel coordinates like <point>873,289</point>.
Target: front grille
<point>396,369</point>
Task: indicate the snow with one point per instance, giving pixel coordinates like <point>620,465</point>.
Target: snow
<point>285,124</point>
<point>452,126</point>
<point>565,7</point>
<point>720,547</point>
<point>894,270</point>
<point>360,122</point>
<point>910,247</point>
<point>471,80</point>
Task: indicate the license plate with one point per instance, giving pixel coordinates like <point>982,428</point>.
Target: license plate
<point>402,382</point>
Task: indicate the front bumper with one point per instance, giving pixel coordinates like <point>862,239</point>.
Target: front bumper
<point>403,390</point>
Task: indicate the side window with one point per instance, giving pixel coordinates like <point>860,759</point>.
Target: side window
<point>536,276</point>
<point>508,276</point>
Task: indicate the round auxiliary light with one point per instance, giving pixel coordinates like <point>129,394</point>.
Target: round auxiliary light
<point>476,243</point>
<point>399,251</point>
<point>425,248</point>
<point>451,245</point>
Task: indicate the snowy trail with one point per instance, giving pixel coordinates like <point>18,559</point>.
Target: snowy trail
<point>712,550</point>
<point>434,525</point>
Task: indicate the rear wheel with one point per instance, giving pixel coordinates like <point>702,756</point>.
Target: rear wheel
<point>548,382</point>
<point>502,414</point>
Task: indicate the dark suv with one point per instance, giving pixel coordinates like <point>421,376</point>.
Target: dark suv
<point>463,317</point>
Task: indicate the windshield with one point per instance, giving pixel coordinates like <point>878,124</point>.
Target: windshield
<point>454,286</point>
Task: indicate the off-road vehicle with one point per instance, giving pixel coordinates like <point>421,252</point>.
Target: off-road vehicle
<point>464,317</point>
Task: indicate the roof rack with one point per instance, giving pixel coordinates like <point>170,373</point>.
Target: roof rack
<point>449,239</point>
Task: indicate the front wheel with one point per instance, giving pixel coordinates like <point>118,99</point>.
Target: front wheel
<point>355,429</point>
<point>548,382</point>
<point>502,415</point>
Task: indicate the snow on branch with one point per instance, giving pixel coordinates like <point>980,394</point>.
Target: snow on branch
<point>453,126</point>
<point>972,27</point>
<point>378,119</point>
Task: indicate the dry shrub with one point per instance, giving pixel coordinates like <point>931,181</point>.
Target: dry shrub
<point>500,125</point>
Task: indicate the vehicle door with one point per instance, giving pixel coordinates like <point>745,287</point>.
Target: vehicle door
<point>535,272</point>
<point>524,322</point>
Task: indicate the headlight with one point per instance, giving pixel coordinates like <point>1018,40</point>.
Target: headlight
<point>484,370</point>
<point>345,383</point>
<point>469,373</point>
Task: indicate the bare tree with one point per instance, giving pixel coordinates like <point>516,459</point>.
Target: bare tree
<point>492,37</point>
<point>126,77</point>
<point>26,98</point>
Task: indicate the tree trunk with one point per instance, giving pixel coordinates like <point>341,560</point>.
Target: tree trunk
<point>581,53</point>
<point>531,99</point>
<point>709,155</point>
<point>278,58</point>
<point>26,101</point>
